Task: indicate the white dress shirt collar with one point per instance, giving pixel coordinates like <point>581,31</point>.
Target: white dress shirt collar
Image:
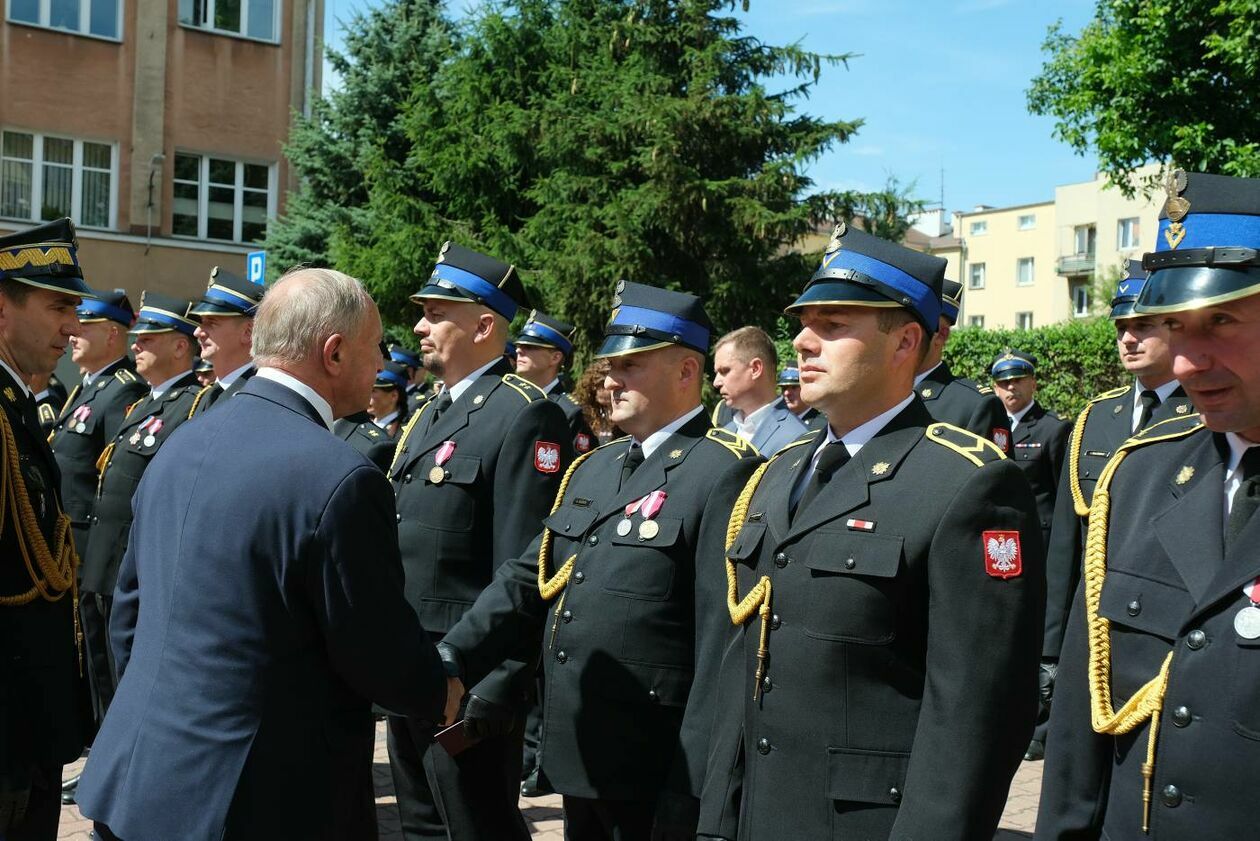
<point>89,378</point>
<point>384,422</point>
<point>466,383</point>
<point>746,425</point>
<point>310,395</point>
<point>163,387</point>
<point>661,435</point>
<point>1019,416</point>
<point>227,380</point>
<point>857,438</point>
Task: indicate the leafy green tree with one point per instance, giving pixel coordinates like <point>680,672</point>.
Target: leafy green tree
<point>358,125</point>
<point>594,140</point>
<point>1158,79</point>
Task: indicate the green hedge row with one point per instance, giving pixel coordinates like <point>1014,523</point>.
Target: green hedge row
<point>1076,359</point>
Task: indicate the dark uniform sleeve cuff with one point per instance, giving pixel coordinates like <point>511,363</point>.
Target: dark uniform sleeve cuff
<point>452,661</point>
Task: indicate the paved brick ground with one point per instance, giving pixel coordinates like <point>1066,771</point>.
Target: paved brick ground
<point>546,819</point>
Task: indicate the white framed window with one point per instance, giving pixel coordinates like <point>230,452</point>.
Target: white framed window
<point>258,19</point>
<point>1023,321</point>
<point>1024,271</point>
<point>979,228</point>
<point>1127,233</point>
<point>98,18</point>
<point>221,198</point>
<point>1027,221</point>
<point>975,276</point>
<point>1085,238</point>
<point>975,321</point>
<point>1080,300</point>
<point>44,177</point>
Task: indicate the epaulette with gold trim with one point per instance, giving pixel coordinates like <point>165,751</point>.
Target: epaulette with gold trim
<point>1107,395</point>
<point>124,376</point>
<point>808,438</point>
<point>984,389</point>
<point>524,387</point>
<point>1167,430</point>
<point>979,451</point>
<point>47,414</point>
<point>732,442</point>
<point>713,416</point>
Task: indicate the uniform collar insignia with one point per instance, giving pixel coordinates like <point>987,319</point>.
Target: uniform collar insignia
<point>880,468</point>
<point>1185,474</point>
<point>10,394</point>
<point>675,453</point>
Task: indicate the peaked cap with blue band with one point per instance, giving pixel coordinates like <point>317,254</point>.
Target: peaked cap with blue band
<point>229,294</point>
<point>862,270</point>
<point>951,299</point>
<point>46,256</point>
<point>107,306</point>
<point>404,356</point>
<point>393,375</point>
<point>789,377</point>
<point>544,331</point>
<point>462,274</point>
<point>1128,290</point>
<point>1012,364</point>
<point>1208,247</point>
<point>647,317</point>
<point>162,314</point>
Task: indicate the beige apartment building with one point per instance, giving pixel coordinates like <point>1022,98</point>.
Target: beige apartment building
<point>1037,264</point>
<point>156,125</point>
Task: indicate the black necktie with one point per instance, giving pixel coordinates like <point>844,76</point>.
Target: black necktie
<point>1246,498</point>
<point>1149,401</point>
<point>634,457</point>
<point>440,404</point>
<point>834,456</point>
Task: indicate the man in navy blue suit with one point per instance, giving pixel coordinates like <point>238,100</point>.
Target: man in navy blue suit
<point>254,623</point>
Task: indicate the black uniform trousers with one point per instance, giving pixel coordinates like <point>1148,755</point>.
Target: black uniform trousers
<point>98,656</point>
<point>607,820</point>
<point>469,796</point>
<point>43,810</point>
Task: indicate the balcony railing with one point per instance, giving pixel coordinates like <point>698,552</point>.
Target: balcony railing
<point>1076,264</point>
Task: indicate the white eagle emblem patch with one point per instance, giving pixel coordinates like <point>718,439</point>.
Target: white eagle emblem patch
<point>1002,555</point>
<point>546,457</point>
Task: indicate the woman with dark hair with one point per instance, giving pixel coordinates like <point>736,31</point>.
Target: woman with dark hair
<point>596,401</point>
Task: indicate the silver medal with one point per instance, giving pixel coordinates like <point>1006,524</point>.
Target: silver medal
<point>623,528</point>
<point>149,440</point>
<point>1247,622</point>
<point>80,427</point>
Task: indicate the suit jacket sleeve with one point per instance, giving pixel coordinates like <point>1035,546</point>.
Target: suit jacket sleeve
<point>984,641</point>
<point>1063,562</point>
<point>509,610</point>
<point>1078,760</point>
<point>355,585</point>
<point>713,631</point>
<point>125,611</point>
<point>522,498</point>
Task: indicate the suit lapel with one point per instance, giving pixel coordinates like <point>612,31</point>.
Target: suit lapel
<point>1177,405</point>
<point>779,500</point>
<point>1190,529</point>
<point>1242,564</point>
<point>934,383</point>
<point>877,461</point>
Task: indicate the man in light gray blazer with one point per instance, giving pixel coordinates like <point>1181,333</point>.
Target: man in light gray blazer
<point>746,365</point>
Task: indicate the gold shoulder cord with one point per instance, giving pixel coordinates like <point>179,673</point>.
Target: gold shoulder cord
<point>406,433</point>
<point>758,598</point>
<point>1074,463</point>
<point>55,575</point>
<point>1147,703</point>
<point>551,585</point>
<point>197,400</point>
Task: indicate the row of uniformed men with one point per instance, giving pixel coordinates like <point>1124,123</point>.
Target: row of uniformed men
<point>876,625</point>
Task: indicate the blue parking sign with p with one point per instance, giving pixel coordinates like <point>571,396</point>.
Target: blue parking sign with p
<point>256,267</point>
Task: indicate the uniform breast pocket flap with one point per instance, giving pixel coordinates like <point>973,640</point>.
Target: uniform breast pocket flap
<point>1149,606</point>
<point>866,776</point>
<point>570,520</point>
<point>459,470</point>
<point>744,549</point>
<point>853,588</point>
<point>662,532</point>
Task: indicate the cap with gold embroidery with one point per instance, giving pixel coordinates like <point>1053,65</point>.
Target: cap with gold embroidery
<point>162,314</point>
<point>46,256</point>
<point>462,274</point>
<point>646,318</point>
<point>1208,246</point>
<point>1012,364</point>
<point>229,294</point>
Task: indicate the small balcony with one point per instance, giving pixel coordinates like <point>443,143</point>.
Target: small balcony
<point>1076,265</point>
